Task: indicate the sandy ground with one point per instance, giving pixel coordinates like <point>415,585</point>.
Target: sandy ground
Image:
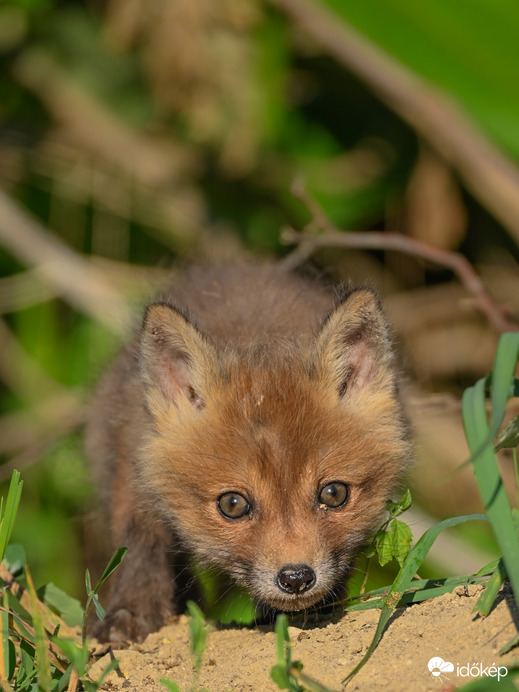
<point>240,658</point>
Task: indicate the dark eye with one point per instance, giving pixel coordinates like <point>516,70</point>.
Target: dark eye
<point>233,505</point>
<point>334,494</point>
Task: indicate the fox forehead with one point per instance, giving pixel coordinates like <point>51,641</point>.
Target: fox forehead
<point>278,425</point>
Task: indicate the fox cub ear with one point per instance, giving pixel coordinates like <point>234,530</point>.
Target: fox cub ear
<point>176,359</point>
<point>354,345</point>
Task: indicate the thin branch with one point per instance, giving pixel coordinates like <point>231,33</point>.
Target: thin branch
<point>308,243</point>
<point>490,175</point>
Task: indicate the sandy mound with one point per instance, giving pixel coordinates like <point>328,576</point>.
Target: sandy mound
<point>238,658</point>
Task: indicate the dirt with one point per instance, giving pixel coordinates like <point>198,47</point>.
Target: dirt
<point>240,658</point>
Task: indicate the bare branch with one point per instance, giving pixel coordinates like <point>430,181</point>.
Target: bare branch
<point>308,243</point>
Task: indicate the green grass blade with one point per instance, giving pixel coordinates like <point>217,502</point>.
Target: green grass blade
<point>9,513</point>
<point>502,376</point>
<point>487,598</point>
<point>509,645</point>
<point>404,578</point>
<point>197,634</point>
<point>282,639</point>
<point>422,590</point>
<point>305,682</point>
<point>489,479</point>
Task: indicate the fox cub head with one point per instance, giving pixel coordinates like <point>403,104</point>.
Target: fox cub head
<point>274,461</point>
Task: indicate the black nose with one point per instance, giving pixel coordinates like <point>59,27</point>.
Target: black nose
<point>296,578</point>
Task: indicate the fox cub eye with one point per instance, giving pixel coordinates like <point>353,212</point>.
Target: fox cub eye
<point>233,505</point>
<point>334,494</point>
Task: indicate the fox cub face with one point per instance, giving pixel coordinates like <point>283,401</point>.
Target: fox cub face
<point>274,462</point>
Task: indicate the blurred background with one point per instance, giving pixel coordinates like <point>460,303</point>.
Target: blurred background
<point>136,136</point>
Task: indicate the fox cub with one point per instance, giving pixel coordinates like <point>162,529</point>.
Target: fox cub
<point>254,424</point>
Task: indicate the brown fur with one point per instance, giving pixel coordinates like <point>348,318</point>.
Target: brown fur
<point>251,380</point>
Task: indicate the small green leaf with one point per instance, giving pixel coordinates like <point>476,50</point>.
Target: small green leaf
<point>394,543</point>
<point>402,537</point>
<point>88,582</point>
<point>114,563</point>
<point>398,508</point>
<point>100,611</point>
<point>15,559</point>
<point>384,548</point>
<point>8,513</point>
<point>68,608</point>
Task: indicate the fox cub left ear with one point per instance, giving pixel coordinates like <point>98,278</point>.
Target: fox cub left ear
<point>178,362</point>
<point>354,347</point>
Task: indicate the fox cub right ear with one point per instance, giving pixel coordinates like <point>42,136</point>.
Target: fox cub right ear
<point>177,360</point>
<point>354,346</point>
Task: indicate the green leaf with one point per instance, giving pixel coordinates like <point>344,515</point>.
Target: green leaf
<point>398,508</point>
<point>8,514</point>
<point>100,611</point>
<point>394,543</point>
<point>14,558</point>
<point>88,582</point>
<point>402,537</point>
<point>384,547</point>
<point>68,608</point>
<point>114,563</point>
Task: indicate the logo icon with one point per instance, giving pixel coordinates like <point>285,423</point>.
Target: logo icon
<point>438,667</point>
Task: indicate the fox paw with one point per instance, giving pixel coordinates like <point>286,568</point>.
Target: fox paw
<point>122,627</point>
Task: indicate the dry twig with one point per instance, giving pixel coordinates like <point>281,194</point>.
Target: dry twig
<point>309,241</point>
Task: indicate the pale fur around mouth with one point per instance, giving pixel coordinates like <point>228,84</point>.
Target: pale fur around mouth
<point>262,585</point>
